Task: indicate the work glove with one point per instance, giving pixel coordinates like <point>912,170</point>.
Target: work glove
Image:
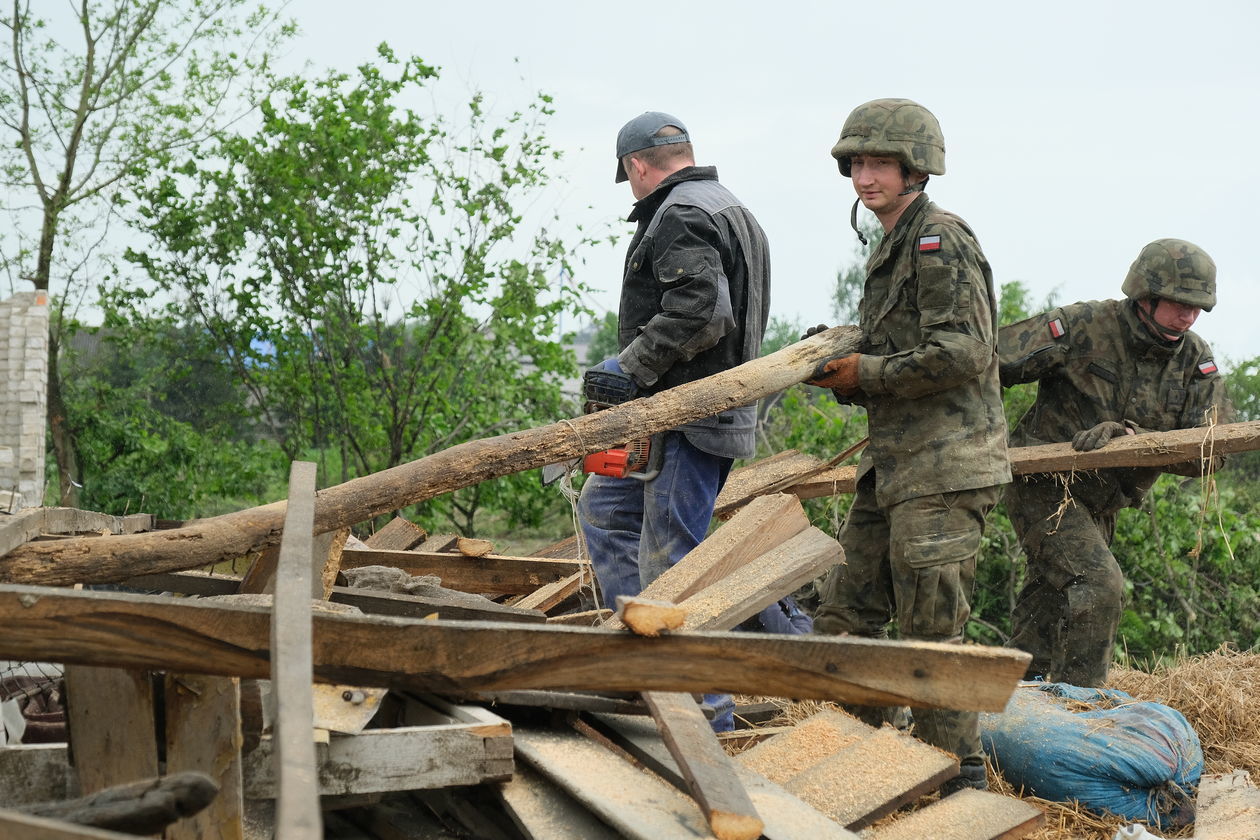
<point>1088,440</point>
<point>813,331</point>
<point>606,382</point>
<point>839,374</point>
<point>611,364</point>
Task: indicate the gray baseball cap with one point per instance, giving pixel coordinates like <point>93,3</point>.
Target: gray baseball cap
<point>640,132</point>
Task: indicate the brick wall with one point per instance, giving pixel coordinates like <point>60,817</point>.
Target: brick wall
<point>23,396</point>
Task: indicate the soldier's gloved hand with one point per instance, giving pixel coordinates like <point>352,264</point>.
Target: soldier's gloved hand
<point>839,374</point>
<point>1097,437</point>
<point>813,331</point>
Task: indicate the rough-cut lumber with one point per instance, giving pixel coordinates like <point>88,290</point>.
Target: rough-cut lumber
<point>297,795</point>
<point>203,736</point>
<point>567,700</point>
<point>786,816</point>
<point>758,584</point>
<point>1228,807</point>
<point>453,745</point>
<point>784,756</point>
<point>42,624</point>
<point>569,548</point>
<point>142,807</point>
<point>205,542</point>
<point>399,534</point>
<point>448,604</point>
<point>600,616</point>
<point>646,617</point>
<point>1150,449</point>
<point>709,773</point>
<point>110,713</point>
<point>15,824</point>
<point>777,473</point>
<point>637,804</point>
<point>491,573</point>
<point>33,773</point>
<point>966,815</point>
<point>551,595</point>
<point>759,527</point>
<point>543,811</point>
<point>873,777</point>
<point>29,523</point>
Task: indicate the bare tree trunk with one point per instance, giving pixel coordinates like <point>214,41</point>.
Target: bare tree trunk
<point>106,559</point>
<point>65,447</point>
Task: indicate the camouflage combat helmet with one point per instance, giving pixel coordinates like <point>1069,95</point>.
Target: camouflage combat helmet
<point>895,127</point>
<point>1175,270</point>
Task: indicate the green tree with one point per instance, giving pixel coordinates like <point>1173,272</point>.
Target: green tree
<point>365,271</point>
<point>137,78</point>
<point>604,343</point>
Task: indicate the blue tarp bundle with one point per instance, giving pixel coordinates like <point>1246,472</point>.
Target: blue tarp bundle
<point>1101,748</point>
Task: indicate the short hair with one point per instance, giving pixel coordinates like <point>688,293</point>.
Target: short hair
<point>661,157</point>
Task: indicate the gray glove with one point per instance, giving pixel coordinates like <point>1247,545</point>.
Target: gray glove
<point>1097,437</point>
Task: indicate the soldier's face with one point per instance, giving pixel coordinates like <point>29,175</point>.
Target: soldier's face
<point>1174,317</point>
<point>879,183</point>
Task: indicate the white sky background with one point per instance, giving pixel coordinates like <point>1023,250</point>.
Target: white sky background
<point>1075,132</point>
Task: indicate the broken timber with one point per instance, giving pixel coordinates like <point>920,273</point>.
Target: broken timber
<point>208,541</point>
<point>807,477</point>
<point>148,631</point>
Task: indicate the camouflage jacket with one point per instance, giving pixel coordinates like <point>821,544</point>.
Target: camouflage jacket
<point>1095,361</point>
<point>928,374</point>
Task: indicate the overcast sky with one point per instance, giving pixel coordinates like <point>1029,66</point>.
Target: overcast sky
<point>1075,132</point>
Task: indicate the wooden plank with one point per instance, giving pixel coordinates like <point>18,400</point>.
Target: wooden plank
<point>757,528</point>
<point>566,700</point>
<point>757,585</point>
<point>785,756</point>
<point>569,548</point>
<point>646,617</point>
<point>637,804</point>
<point>260,577</point>
<point>34,773</point>
<point>399,534</point>
<point>15,824</point>
<point>966,815</point>
<point>437,543</point>
<point>460,606</point>
<point>1228,807</point>
<point>543,811</point>
<point>208,541</point>
<point>586,618</point>
<point>873,777</point>
<point>326,562</point>
<point>491,573</point>
<point>708,771</point>
<point>1151,449</point>
<point>786,816</point>
<point>752,713</point>
<point>112,727</point>
<point>398,758</point>
<point>551,595</point>
<point>203,733</point>
<point>25,525</point>
<point>42,624</point>
<point>297,792</point>
<point>756,479</point>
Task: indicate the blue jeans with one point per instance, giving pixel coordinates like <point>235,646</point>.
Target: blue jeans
<point>635,530</point>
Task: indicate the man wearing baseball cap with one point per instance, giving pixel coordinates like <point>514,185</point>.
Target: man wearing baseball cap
<point>695,299</point>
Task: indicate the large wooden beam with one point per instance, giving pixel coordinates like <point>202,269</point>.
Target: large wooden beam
<point>1152,449</point>
<point>146,631</point>
<point>490,573</point>
<point>108,559</point>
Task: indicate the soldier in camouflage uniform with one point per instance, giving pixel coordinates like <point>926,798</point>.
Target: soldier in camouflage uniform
<point>1105,368</point>
<point>926,372</point>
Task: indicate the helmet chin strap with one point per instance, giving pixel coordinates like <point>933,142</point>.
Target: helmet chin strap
<point>1147,316</point>
<point>913,188</point>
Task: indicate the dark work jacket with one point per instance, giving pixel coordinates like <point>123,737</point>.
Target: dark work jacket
<point>695,297</point>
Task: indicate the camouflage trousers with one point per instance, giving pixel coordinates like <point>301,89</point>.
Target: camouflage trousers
<point>915,562</point>
<point>1068,612</point>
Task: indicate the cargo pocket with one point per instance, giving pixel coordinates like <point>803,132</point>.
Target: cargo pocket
<point>938,572</point>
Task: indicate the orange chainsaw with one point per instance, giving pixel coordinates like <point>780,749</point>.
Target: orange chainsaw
<point>638,459</point>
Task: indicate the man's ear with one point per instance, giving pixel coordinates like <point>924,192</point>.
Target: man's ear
<point>637,167</point>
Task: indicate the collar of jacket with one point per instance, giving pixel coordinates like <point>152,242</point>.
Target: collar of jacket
<point>645,207</point>
<point>1141,339</point>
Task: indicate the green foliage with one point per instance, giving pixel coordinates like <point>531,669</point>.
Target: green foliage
<point>160,438</point>
<point>365,272</point>
<point>604,343</point>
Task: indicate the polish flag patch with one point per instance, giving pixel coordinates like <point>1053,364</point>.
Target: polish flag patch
<point>930,243</point>
<point>1057,330</point>
<point>1207,367</point>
